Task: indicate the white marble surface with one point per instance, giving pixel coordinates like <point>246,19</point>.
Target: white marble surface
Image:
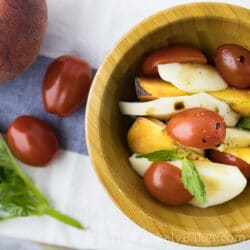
<point>90,28</point>
<point>7,243</point>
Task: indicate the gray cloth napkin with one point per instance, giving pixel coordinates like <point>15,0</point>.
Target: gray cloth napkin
<point>23,96</point>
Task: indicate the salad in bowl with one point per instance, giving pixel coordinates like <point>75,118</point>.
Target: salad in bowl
<point>190,138</point>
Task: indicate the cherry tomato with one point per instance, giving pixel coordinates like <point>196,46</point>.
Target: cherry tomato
<point>32,141</point>
<point>198,128</point>
<point>229,159</point>
<point>172,54</point>
<point>66,84</point>
<point>233,63</point>
<point>163,181</point>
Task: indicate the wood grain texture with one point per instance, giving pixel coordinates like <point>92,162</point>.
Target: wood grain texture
<point>205,25</point>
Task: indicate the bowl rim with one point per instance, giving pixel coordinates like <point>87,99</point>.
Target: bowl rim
<point>127,206</point>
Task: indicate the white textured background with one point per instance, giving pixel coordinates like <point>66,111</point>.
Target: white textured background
<point>90,28</point>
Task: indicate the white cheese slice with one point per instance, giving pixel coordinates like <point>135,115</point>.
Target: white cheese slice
<point>166,107</point>
<point>192,77</point>
<point>235,137</point>
<point>222,182</point>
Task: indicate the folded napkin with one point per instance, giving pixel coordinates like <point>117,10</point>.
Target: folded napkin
<point>87,29</point>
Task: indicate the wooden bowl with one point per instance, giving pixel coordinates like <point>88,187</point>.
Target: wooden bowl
<point>205,25</point>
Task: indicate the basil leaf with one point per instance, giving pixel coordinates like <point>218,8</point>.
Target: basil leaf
<point>18,194</point>
<point>192,181</point>
<point>163,155</point>
<point>244,123</point>
<point>13,209</point>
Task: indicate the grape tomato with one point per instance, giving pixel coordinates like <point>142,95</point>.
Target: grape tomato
<point>229,159</point>
<point>32,141</point>
<point>163,181</point>
<point>66,84</point>
<point>172,54</point>
<point>233,63</point>
<point>198,128</point>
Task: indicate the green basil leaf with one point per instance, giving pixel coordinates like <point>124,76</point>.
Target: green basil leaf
<point>244,123</point>
<point>13,210</point>
<point>192,181</point>
<point>18,194</point>
<point>164,155</point>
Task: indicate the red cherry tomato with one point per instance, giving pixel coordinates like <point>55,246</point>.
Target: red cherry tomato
<point>163,181</point>
<point>233,63</point>
<point>172,54</point>
<point>198,128</point>
<point>66,84</point>
<point>32,141</point>
<point>229,159</point>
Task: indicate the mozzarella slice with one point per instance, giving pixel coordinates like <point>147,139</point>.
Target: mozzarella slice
<point>235,137</point>
<point>192,77</point>
<point>166,107</point>
<point>222,182</point>
<point>140,165</point>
